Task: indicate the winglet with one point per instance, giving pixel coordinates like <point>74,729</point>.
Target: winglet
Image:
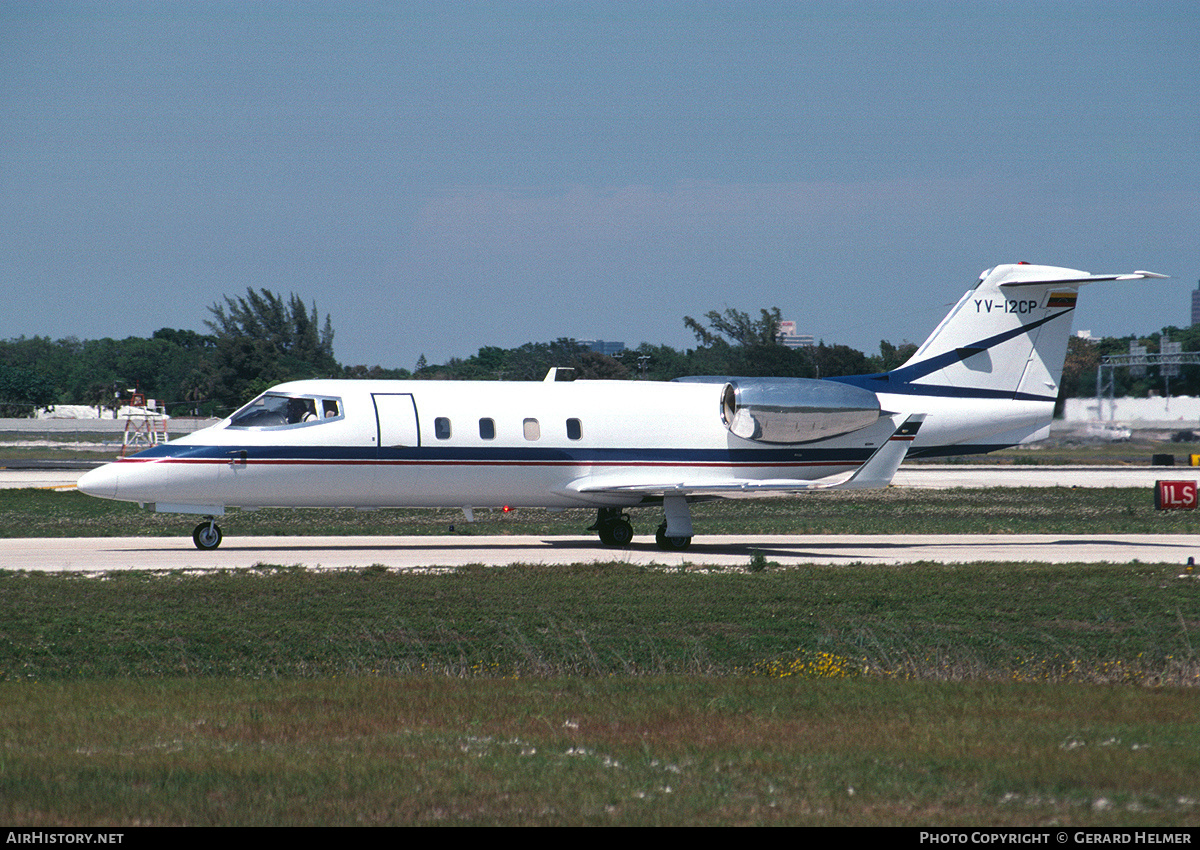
<point>881,466</point>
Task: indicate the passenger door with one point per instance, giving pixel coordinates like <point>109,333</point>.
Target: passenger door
<point>396,421</point>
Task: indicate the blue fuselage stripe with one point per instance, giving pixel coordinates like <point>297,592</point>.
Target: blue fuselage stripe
<point>505,455</point>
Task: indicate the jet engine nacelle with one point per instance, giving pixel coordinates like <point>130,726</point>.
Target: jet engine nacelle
<point>793,410</point>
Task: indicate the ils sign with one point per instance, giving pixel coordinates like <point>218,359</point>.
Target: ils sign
<point>1175,495</point>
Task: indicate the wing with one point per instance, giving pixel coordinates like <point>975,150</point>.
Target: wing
<point>876,472</point>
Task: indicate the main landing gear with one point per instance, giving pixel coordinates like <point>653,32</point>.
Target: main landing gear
<point>612,524</point>
<point>671,544</point>
<point>207,535</point>
<point>614,528</point>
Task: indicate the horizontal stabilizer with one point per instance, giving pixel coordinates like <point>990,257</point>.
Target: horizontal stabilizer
<point>1081,279</point>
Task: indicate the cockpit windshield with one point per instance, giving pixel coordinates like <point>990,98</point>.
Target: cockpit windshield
<point>272,410</point>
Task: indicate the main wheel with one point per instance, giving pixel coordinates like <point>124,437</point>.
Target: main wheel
<point>671,544</point>
<point>616,533</point>
<point>207,536</point>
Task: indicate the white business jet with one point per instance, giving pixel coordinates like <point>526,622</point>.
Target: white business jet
<point>985,379</point>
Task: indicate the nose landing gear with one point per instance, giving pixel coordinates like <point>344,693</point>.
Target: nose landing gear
<point>207,535</point>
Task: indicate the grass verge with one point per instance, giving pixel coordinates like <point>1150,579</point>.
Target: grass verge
<point>1029,622</point>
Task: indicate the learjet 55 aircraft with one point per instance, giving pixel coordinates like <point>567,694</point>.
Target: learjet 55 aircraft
<point>986,378</point>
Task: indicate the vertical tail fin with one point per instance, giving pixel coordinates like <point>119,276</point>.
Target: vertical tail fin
<point>988,375</point>
<point>1007,337</point>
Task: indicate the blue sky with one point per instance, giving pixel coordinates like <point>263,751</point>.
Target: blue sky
<point>443,176</point>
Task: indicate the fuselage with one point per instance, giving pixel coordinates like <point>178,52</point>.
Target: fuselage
<point>371,444</point>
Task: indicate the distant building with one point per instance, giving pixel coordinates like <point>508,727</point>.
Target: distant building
<point>1196,304</point>
<point>609,348</point>
<point>789,337</point>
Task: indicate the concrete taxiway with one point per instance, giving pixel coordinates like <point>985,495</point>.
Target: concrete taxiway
<point>91,554</point>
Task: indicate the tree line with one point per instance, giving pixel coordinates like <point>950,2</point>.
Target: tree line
<point>261,339</point>
<point>254,341</point>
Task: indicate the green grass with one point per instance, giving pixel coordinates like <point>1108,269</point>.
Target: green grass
<point>1100,623</point>
<point>595,751</point>
<point>1052,510</point>
<point>601,694</point>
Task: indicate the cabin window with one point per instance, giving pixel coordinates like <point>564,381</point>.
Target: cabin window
<point>275,410</point>
<point>487,429</point>
<point>574,429</point>
<point>441,428</point>
<point>533,431</point>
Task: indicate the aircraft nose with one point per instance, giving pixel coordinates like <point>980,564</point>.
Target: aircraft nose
<point>101,482</point>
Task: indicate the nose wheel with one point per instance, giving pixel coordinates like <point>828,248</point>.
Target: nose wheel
<point>207,535</point>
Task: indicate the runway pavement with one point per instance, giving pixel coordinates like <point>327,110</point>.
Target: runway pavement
<point>416,553</point>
